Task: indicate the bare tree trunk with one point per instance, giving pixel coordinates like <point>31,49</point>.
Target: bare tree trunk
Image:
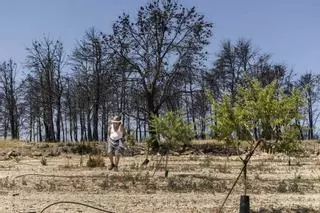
<point>65,135</point>
<point>94,136</point>
<point>58,122</point>
<point>145,125</point>
<point>39,129</point>
<point>82,127</point>
<point>103,122</point>
<point>203,128</point>
<point>75,126</point>
<point>31,126</point>
<point>192,110</point>
<point>71,121</point>
<point>5,131</point>
<point>138,127</point>
<point>89,126</point>
<point>310,114</point>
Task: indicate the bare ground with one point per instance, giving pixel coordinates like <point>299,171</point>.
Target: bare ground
<point>196,183</point>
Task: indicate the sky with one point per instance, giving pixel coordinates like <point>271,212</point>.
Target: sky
<point>287,29</point>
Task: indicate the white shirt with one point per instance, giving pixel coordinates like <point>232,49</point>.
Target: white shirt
<point>116,135</point>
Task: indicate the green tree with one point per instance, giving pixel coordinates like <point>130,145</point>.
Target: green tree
<point>171,132</point>
<point>259,112</point>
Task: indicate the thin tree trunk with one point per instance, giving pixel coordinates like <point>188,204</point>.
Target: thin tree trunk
<point>138,128</point>
<point>310,116</point>
<point>75,126</point>
<point>39,129</point>
<point>103,124</point>
<point>71,121</point>
<point>31,127</point>
<point>192,110</point>
<point>5,131</point>
<point>89,126</point>
<point>58,123</point>
<point>82,126</point>
<point>95,135</point>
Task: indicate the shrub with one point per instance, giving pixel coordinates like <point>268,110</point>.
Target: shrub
<point>171,131</point>
<point>85,148</point>
<point>43,161</point>
<point>95,161</point>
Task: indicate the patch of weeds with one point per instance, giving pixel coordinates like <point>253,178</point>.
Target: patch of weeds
<point>23,181</point>
<point>78,184</point>
<point>68,166</point>
<point>43,161</point>
<point>43,145</point>
<point>85,148</point>
<point>294,187</point>
<point>127,177</point>
<point>134,166</point>
<point>6,183</point>
<point>17,159</point>
<point>151,166</point>
<point>95,161</point>
<point>54,151</point>
<point>178,184</point>
<point>65,149</point>
<point>206,185</point>
<point>105,184</point>
<point>40,186</point>
<point>223,168</point>
<point>260,166</point>
<point>81,161</point>
<point>173,184</point>
<point>282,187</point>
<point>147,181</point>
<point>186,168</point>
<point>221,186</point>
<point>291,186</point>
<point>193,158</point>
<point>152,185</point>
<point>257,177</point>
<point>299,164</point>
<point>52,186</point>
<point>206,162</point>
<point>61,144</point>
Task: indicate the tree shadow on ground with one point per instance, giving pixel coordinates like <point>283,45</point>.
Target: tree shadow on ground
<point>284,210</point>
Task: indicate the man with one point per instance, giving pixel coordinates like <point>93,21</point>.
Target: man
<point>115,142</point>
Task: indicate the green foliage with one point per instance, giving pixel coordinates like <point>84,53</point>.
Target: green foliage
<point>226,123</point>
<point>267,110</point>
<point>151,142</point>
<point>171,131</point>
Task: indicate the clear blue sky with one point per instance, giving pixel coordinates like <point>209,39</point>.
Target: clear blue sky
<point>288,29</point>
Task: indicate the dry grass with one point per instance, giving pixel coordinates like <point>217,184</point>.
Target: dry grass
<point>12,144</point>
<point>196,183</point>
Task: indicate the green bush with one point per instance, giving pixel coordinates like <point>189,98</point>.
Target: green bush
<point>267,111</point>
<point>171,131</point>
